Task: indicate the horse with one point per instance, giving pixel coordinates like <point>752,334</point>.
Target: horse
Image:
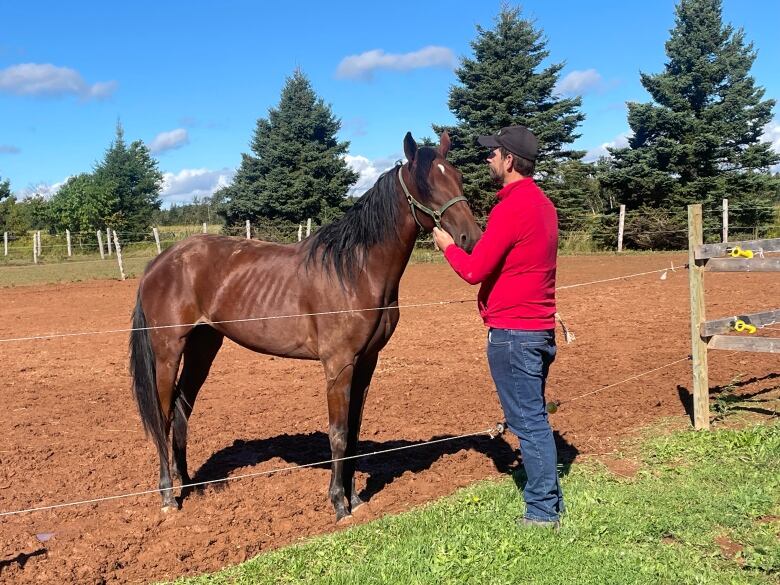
<point>338,290</point>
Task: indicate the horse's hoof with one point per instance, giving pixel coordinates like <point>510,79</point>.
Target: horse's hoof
<point>362,512</point>
<point>355,503</point>
<point>170,509</point>
<point>344,520</point>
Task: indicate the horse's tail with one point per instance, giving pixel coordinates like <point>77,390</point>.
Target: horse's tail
<point>144,373</point>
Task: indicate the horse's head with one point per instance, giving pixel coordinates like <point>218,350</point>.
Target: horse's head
<point>435,193</point>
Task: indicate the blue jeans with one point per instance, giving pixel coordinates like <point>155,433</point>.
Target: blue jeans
<point>519,362</point>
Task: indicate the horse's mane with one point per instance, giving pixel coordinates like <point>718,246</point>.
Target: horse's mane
<point>342,246</point>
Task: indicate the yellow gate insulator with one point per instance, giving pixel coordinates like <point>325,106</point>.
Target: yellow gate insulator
<point>737,252</point>
<point>741,327</point>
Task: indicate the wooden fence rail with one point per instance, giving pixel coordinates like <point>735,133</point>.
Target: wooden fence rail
<point>710,334</point>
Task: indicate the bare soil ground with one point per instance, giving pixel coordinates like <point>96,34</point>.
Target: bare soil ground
<point>70,431</point>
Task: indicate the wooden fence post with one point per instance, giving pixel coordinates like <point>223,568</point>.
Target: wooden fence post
<point>300,232</point>
<point>308,227</point>
<point>67,237</point>
<point>157,239</point>
<point>35,247</point>
<point>100,244</point>
<point>248,230</point>
<point>118,255</point>
<point>40,249</point>
<point>701,388</point>
<point>5,243</point>
<point>205,228</point>
<point>725,220</point>
<point>108,241</point>
<point>620,227</point>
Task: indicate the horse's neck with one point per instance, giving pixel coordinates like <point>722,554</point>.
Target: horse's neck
<point>392,256</point>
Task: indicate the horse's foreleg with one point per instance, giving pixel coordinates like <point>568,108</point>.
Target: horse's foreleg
<point>361,379</point>
<point>339,382</point>
<point>202,346</point>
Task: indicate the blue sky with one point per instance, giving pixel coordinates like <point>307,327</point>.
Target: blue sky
<point>191,79</point>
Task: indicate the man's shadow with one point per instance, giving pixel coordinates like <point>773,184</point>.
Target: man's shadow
<point>382,469</point>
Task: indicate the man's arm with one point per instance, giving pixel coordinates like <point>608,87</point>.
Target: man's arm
<point>493,246</point>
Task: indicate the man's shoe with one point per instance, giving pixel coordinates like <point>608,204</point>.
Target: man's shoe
<point>524,522</point>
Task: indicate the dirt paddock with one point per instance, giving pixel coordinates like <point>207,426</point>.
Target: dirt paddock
<point>69,429</point>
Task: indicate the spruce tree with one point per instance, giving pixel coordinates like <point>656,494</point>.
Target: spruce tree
<point>131,179</point>
<point>505,84</point>
<point>699,140</point>
<point>297,168</point>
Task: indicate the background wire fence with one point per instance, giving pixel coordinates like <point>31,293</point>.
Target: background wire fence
<point>580,232</point>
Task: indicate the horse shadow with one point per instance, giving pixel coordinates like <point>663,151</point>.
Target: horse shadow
<point>382,469</point>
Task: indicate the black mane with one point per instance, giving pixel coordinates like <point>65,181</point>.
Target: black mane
<point>342,246</point>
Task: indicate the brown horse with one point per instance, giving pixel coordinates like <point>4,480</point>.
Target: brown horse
<point>222,287</point>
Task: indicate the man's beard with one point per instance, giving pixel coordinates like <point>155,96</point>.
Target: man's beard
<point>497,176</point>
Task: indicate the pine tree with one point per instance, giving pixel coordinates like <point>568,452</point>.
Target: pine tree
<point>505,84</point>
<point>132,180</point>
<point>297,169</point>
<point>699,140</point>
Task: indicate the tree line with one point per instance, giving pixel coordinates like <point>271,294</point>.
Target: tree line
<point>699,139</point>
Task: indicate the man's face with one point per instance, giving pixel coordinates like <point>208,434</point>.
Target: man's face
<point>497,166</point>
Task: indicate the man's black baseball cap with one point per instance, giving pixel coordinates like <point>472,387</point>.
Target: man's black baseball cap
<point>518,140</point>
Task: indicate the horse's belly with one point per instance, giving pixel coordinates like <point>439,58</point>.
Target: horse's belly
<point>277,341</point>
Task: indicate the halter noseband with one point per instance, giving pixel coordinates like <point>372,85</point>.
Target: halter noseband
<point>435,214</point>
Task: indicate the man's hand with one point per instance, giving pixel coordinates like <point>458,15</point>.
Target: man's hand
<point>443,239</point>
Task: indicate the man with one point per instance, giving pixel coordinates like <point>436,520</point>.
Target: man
<point>515,262</point>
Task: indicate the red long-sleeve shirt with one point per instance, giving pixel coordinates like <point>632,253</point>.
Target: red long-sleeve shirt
<point>515,260</point>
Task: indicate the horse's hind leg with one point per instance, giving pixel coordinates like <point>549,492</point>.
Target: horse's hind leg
<point>167,366</point>
<point>199,352</point>
<point>361,379</point>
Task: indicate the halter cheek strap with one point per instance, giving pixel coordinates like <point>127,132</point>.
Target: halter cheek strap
<point>436,214</point>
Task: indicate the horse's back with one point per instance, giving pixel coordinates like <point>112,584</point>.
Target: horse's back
<point>194,270</point>
<point>230,283</point>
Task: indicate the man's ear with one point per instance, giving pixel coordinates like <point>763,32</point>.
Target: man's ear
<point>509,161</point>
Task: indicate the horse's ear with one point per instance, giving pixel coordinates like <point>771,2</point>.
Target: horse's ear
<point>444,144</point>
<point>410,147</point>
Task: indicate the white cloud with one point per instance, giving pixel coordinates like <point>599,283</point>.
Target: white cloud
<point>363,66</point>
<point>620,141</point>
<point>772,134</point>
<point>579,82</point>
<point>9,149</point>
<point>169,140</point>
<point>369,171</point>
<point>187,184</point>
<point>46,79</point>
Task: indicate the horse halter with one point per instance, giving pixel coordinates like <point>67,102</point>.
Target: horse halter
<point>436,214</point>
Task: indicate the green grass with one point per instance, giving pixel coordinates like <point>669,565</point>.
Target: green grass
<point>18,269</point>
<point>663,525</point>
<point>80,267</point>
